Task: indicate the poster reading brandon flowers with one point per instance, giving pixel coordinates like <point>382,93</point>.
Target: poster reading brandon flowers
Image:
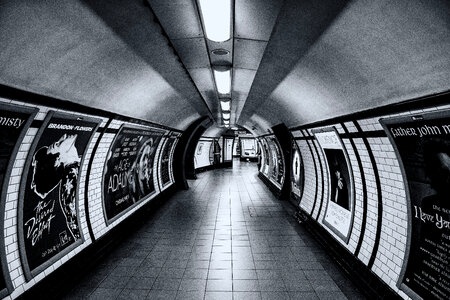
<point>422,144</point>
<point>48,213</point>
<point>128,175</point>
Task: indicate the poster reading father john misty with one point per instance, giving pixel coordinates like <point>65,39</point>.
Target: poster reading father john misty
<point>48,213</point>
<point>14,122</point>
<point>128,174</point>
<point>423,148</point>
<point>339,211</point>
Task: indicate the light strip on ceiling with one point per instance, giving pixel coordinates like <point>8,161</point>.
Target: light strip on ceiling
<point>226,116</point>
<point>216,19</point>
<point>225,105</point>
<point>223,81</point>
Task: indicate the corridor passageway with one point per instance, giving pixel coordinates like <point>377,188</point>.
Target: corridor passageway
<point>227,237</point>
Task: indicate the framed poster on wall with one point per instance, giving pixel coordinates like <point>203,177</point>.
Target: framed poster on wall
<point>266,155</point>
<point>277,167</point>
<point>128,176</point>
<point>297,173</point>
<point>166,159</point>
<point>422,145</point>
<point>14,122</point>
<point>49,225</point>
<point>340,204</point>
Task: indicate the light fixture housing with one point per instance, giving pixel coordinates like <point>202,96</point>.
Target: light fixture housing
<point>225,105</point>
<point>216,17</point>
<point>223,81</point>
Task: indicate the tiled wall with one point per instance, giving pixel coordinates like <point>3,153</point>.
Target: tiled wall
<point>94,211</point>
<point>392,225</point>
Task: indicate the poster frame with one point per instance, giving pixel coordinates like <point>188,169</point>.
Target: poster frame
<point>385,122</point>
<point>28,273</point>
<point>293,196</point>
<point>32,111</point>
<point>157,190</point>
<point>167,137</point>
<point>345,238</point>
<point>272,139</point>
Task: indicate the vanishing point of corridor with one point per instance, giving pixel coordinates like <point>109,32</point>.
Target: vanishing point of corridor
<point>227,237</point>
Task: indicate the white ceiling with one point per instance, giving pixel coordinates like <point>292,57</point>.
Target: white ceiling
<point>294,62</point>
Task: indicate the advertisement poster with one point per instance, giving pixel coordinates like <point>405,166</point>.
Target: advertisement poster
<point>266,156</point>
<point>423,148</point>
<point>248,146</point>
<point>166,156</point>
<point>202,153</point>
<point>128,173</point>
<point>297,173</point>
<point>277,167</point>
<point>339,211</point>
<point>14,121</point>
<point>48,208</point>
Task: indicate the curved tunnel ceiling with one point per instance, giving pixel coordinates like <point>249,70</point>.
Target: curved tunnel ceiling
<point>294,62</point>
<point>104,54</point>
<point>331,58</point>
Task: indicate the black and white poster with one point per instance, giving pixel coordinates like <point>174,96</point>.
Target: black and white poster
<point>128,173</point>
<point>266,157</point>
<point>277,167</point>
<point>340,204</point>
<point>48,208</point>
<point>14,121</point>
<point>297,173</point>
<point>422,144</point>
<point>166,156</point>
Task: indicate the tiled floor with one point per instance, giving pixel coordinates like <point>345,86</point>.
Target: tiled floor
<point>227,237</point>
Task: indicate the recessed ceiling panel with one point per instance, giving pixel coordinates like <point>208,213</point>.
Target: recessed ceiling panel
<point>192,52</point>
<point>248,53</point>
<point>203,79</point>
<point>179,19</point>
<point>255,19</point>
<point>242,80</point>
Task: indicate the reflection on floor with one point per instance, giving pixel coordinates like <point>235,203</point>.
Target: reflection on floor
<point>225,238</point>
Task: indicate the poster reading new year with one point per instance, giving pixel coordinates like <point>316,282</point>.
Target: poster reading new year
<point>128,173</point>
<point>48,213</point>
<point>422,144</point>
<point>339,211</point>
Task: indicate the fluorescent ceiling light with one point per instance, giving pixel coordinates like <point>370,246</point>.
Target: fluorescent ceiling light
<point>226,121</point>
<point>226,116</point>
<point>223,81</point>
<point>225,105</point>
<point>216,19</point>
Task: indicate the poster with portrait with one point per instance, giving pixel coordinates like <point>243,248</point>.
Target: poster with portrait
<point>166,159</point>
<point>14,122</point>
<point>128,172</point>
<point>422,144</point>
<point>297,173</point>
<point>277,166</point>
<point>340,203</point>
<point>49,224</point>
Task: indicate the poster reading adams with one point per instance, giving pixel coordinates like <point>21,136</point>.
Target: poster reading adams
<point>14,121</point>
<point>128,173</point>
<point>48,208</point>
<point>339,211</point>
<point>423,148</point>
